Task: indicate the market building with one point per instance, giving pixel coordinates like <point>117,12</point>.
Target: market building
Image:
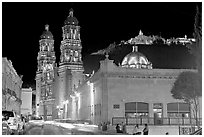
<point>116,94</point>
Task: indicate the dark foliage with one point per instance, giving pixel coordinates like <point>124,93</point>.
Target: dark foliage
<point>187,86</point>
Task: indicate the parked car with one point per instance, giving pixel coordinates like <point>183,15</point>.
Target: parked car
<point>197,132</point>
<point>5,127</point>
<point>21,125</point>
<point>13,121</point>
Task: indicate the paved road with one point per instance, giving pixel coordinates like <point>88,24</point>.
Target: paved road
<point>43,128</point>
<point>46,130</point>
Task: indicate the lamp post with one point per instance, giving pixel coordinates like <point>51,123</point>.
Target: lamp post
<point>64,109</point>
<point>58,110</point>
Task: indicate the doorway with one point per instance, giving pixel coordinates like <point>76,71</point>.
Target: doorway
<point>158,113</point>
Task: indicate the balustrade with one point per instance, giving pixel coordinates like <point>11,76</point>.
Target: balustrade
<point>153,121</point>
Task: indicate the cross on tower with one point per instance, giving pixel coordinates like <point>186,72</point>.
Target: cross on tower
<point>47,27</point>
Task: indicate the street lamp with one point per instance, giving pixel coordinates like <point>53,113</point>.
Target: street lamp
<point>58,111</point>
<point>65,103</point>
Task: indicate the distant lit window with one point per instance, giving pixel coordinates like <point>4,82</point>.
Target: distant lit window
<point>116,106</point>
<point>76,53</point>
<point>71,52</point>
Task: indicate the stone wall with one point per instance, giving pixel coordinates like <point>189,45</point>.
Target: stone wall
<point>11,87</point>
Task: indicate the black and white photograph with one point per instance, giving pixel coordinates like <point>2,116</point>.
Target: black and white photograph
<point>101,68</point>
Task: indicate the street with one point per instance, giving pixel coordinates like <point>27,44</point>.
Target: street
<point>55,128</point>
<point>47,130</point>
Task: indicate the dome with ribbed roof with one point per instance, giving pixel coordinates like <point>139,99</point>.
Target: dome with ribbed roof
<point>136,59</point>
<point>71,20</point>
<point>46,34</point>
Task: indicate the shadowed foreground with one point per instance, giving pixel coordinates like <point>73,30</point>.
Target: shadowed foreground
<point>46,130</point>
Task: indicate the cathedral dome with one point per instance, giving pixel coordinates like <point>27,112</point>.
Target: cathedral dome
<point>71,20</point>
<point>46,34</point>
<point>136,59</point>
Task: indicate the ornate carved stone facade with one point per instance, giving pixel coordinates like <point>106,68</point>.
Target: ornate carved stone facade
<point>45,74</point>
<point>55,84</point>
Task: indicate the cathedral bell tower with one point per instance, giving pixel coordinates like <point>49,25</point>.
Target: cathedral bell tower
<point>71,65</point>
<point>71,44</point>
<point>71,47</point>
<point>45,73</point>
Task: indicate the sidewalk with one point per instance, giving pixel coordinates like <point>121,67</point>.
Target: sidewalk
<point>110,131</point>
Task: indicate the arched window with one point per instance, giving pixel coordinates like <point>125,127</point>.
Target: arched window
<point>133,60</point>
<point>136,109</point>
<point>178,109</point>
<point>76,53</point>
<point>143,61</point>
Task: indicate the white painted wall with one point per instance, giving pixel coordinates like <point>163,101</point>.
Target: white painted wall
<point>122,90</point>
<point>150,86</point>
<point>26,97</point>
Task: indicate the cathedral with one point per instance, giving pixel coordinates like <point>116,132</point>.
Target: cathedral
<point>54,84</point>
<point>132,92</point>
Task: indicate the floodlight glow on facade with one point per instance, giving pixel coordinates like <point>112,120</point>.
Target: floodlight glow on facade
<point>92,98</point>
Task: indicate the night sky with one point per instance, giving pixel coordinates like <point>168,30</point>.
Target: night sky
<point>101,24</point>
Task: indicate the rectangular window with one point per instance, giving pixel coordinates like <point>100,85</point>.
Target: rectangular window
<point>142,107</point>
<point>116,106</point>
<point>184,107</point>
<point>178,110</point>
<point>172,107</point>
<point>136,109</point>
<point>130,107</point>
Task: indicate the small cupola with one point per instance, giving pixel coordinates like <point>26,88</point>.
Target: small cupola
<point>46,34</point>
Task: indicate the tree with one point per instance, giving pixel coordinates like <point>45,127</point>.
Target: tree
<point>187,87</point>
<point>196,48</point>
